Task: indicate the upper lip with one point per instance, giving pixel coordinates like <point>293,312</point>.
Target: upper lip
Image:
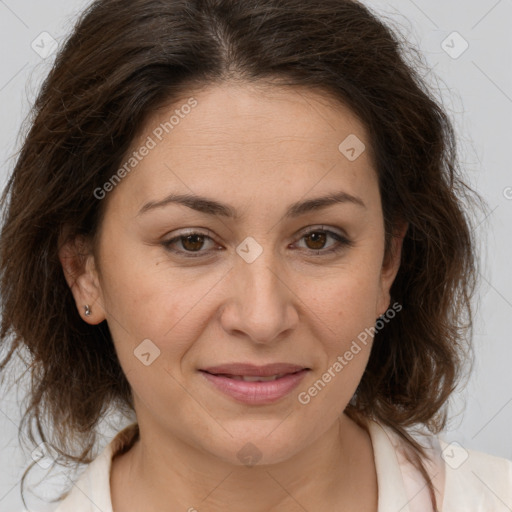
<point>251,370</point>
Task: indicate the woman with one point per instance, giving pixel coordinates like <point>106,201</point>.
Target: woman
<point>243,223</point>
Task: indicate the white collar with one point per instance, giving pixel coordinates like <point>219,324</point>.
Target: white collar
<point>91,492</point>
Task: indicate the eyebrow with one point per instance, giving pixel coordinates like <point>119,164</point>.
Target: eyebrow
<point>212,207</point>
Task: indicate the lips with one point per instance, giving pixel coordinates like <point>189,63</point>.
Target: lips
<point>255,385</point>
<point>255,390</point>
<point>250,378</point>
<point>244,370</point>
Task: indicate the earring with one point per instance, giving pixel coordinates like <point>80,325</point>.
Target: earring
<point>87,310</point>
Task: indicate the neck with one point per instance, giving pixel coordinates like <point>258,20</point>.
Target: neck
<point>163,473</point>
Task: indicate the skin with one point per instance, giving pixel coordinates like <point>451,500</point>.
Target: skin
<point>258,148</point>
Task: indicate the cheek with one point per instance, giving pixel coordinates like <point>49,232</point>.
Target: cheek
<point>141,290</point>
<point>346,308</point>
<point>347,299</point>
<point>148,299</point>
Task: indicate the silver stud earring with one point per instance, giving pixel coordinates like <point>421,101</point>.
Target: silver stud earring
<point>87,310</point>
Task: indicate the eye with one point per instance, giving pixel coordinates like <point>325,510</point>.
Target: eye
<point>316,239</point>
<point>190,242</point>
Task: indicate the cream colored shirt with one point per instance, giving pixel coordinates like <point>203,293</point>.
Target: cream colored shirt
<point>464,480</point>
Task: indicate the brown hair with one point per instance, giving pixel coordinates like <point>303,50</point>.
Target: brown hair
<point>124,60</point>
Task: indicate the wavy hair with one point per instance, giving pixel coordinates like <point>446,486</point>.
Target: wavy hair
<point>126,58</point>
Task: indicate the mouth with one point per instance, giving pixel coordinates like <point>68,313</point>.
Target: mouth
<point>252,378</point>
<point>255,385</point>
<point>250,370</point>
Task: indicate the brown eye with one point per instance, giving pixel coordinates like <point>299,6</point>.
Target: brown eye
<point>316,240</point>
<point>192,242</point>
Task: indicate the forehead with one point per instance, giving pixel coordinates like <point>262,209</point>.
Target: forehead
<point>268,114</point>
<point>247,136</point>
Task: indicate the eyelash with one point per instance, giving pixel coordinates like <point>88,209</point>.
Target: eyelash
<point>342,243</point>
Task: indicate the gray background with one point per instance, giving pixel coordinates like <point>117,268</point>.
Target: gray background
<point>475,87</point>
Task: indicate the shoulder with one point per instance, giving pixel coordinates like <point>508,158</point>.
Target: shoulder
<point>91,492</point>
<point>464,480</point>
<point>475,480</point>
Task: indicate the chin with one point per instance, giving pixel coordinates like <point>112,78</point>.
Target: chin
<point>258,446</point>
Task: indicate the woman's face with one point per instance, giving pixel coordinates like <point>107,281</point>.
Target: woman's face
<point>251,285</point>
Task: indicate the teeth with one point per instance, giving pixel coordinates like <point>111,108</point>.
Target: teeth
<point>248,378</point>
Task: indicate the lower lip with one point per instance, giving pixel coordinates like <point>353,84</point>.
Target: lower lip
<point>256,393</point>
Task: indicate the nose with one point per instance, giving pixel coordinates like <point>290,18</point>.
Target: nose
<point>262,304</point>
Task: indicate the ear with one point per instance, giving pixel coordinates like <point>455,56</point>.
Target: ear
<point>80,271</point>
<point>390,267</point>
